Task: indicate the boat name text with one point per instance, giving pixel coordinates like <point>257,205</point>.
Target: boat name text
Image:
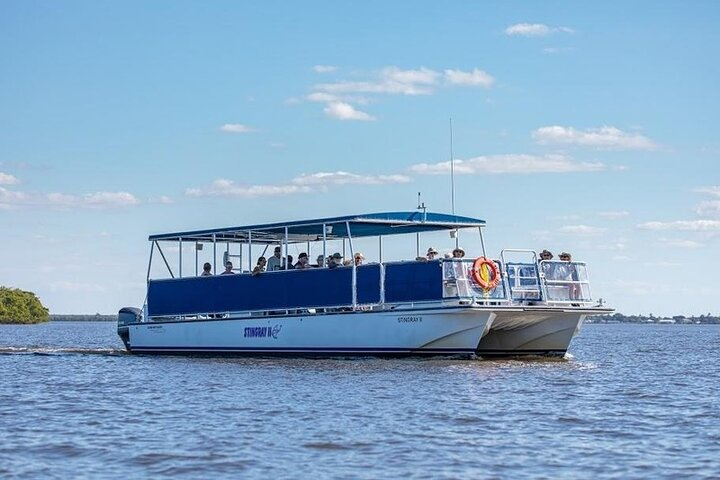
<point>255,332</point>
<point>409,319</point>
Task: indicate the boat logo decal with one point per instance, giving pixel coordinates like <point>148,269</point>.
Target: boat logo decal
<point>261,332</point>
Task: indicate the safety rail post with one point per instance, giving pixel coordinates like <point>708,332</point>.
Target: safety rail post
<point>382,284</point>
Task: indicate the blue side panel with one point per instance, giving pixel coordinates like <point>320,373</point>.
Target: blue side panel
<point>413,281</point>
<point>273,290</point>
<point>368,282</point>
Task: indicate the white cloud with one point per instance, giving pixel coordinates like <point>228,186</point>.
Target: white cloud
<point>709,208</point>
<point>7,179</point>
<point>683,225</point>
<point>618,214</point>
<point>604,137</point>
<point>582,230</point>
<point>341,97</point>
<point>476,78</point>
<point>345,111</point>
<point>324,68</point>
<point>513,164</point>
<point>305,183</point>
<point>236,128</point>
<point>714,190</point>
<point>344,178</point>
<point>99,200</point>
<point>227,188</point>
<point>92,200</point>
<point>534,30</point>
<point>323,97</point>
<point>679,243</point>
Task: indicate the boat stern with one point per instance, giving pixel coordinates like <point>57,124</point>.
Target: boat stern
<point>127,316</point>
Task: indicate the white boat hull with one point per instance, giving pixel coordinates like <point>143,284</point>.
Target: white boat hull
<point>441,331</point>
<point>531,332</point>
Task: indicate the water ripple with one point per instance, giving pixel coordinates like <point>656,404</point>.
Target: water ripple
<point>619,406</point>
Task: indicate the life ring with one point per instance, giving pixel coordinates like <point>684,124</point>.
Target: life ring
<point>488,278</point>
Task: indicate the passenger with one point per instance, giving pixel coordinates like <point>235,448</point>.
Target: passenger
<point>320,262</point>
<point>228,269</point>
<point>302,262</point>
<point>206,270</point>
<point>431,253</point>
<point>260,267</point>
<point>290,265</point>
<point>546,255</point>
<point>275,261</point>
<point>547,268</point>
<point>458,253</point>
<point>359,258</point>
<point>335,260</point>
<point>568,272</point>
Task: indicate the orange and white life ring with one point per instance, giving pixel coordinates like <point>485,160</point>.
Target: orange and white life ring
<point>486,273</point>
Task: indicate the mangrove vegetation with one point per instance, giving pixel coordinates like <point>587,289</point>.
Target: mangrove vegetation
<point>19,306</point>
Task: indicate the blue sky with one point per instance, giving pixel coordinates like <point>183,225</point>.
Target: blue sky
<point>590,128</point>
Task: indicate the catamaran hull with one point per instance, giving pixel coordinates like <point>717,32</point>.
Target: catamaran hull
<point>442,331</point>
<point>531,332</point>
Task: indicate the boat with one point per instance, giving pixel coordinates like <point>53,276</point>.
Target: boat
<point>513,305</point>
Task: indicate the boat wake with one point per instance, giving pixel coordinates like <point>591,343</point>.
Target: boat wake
<point>55,351</point>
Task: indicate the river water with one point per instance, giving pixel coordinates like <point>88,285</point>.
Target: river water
<point>631,401</point>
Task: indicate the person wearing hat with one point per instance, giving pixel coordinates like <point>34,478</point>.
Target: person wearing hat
<point>431,253</point>
<point>547,268</point>
<point>458,253</point>
<point>275,261</point>
<point>335,260</point>
<point>567,271</point>
<point>302,262</point>
<point>359,258</point>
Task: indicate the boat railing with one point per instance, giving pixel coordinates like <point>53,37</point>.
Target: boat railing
<point>566,282</point>
<point>549,281</point>
<point>458,283</point>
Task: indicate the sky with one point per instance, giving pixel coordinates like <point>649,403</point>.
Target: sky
<point>583,127</point>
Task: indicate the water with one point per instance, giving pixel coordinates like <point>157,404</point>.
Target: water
<point>631,401</point>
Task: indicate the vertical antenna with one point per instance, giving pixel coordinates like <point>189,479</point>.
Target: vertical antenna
<point>452,170</point>
<point>452,180</point>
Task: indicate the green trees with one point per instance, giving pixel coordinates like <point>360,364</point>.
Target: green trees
<point>18,306</point>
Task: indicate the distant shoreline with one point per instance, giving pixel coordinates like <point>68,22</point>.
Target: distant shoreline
<point>83,318</point>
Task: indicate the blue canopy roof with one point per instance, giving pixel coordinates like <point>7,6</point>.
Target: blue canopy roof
<point>365,225</point>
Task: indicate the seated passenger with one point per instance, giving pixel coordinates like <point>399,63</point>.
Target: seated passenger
<point>275,261</point>
<point>206,270</point>
<point>260,267</point>
<point>290,265</point>
<point>302,262</point>
<point>335,260</point>
<point>431,253</point>
<point>320,262</point>
<point>228,269</point>
<point>359,258</point>
<point>458,253</point>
